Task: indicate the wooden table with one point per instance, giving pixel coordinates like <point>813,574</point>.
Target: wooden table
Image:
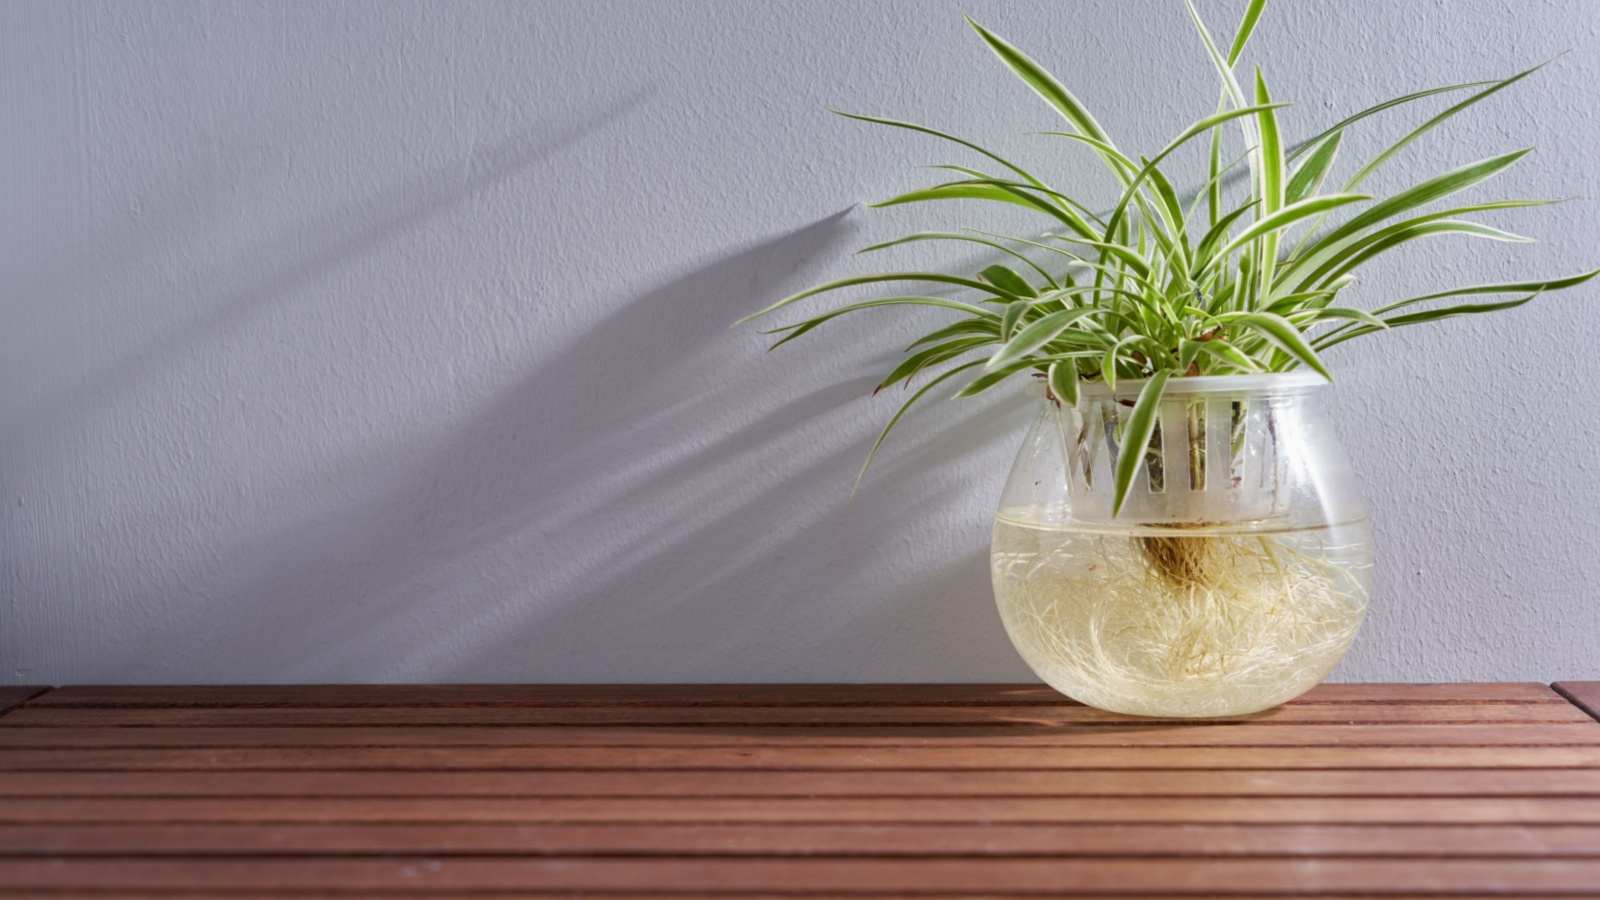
<point>771,789</point>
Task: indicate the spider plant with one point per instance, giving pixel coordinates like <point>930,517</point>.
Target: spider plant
<point>1157,288</point>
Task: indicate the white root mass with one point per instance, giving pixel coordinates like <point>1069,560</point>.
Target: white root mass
<point>1196,623</point>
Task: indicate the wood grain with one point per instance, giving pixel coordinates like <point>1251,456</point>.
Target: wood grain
<point>969,756</point>
<point>866,736</point>
<point>12,697</point>
<point>993,876</point>
<point>786,839</point>
<point>779,790</point>
<point>157,784</point>
<point>779,893</point>
<point>929,716</point>
<point>779,810</point>
<point>612,695</point>
<point>770,894</point>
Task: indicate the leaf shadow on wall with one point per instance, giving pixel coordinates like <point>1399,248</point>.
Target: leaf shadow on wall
<point>681,543</point>
<point>687,506</point>
<point>691,522</point>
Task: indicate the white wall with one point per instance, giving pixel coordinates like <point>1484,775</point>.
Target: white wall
<point>373,341</point>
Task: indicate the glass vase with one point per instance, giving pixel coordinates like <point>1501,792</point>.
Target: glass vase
<point>1234,577</point>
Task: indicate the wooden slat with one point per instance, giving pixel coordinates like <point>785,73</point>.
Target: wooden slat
<point>776,894</point>
<point>887,790</point>
<point>1334,810</point>
<point>823,783</point>
<point>782,757</point>
<point>999,737</point>
<point>1585,695</point>
<point>1347,713</point>
<point>12,696</point>
<point>771,894</point>
<point>1007,876</point>
<point>718,695</point>
<point>787,839</point>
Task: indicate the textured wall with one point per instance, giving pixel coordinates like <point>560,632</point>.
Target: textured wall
<point>389,340</point>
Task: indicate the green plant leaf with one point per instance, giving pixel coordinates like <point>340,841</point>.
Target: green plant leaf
<point>1285,217</point>
<point>797,329</point>
<point>992,191</point>
<point>1032,243</point>
<point>1108,362</point>
<point>1224,66</point>
<point>1128,270</point>
<point>933,277</point>
<point>1227,353</point>
<point>1213,185</point>
<point>1212,191</point>
<point>1042,82</point>
<point>1388,154</point>
<point>963,327</point>
<point>1013,315</point>
<point>1337,312</point>
<point>1188,350</point>
<point>1005,191</point>
<point>1022,173</point>
<point>1132,177</point>
<point>1109,154</point>
<point>1272,181</point>
<point>1206,249</point>
<point>1373,110</point>
<point>1339,335</point>
<point>931,356</point>
<point>1066,201</point>
<point>1172,214</point>
<point>1036,335</point>
<point>1371,166</point>
<point>1337,257</point>
<point>971,239</point>
<point>1303,301</point>
<point>1063,378</point>
<point>1127,256</point>
<point>1247,27</point>
<point>1009,281</point>
<point>1333,339</point>
<point>900,413</point>
<point>1435,188</point>
<point>1421,194</point>
<point>1188,134</point>
<point>1309,175</point>
<point>1136,437</point>
<point>1450,312</point>
<point>989,379</point>
<point>1021,188</point>
<point>1272,163</point>
<point>1510,287</point>
<point>1387,239</point>
<point>1291,303</point>
<point>955,192</point>
<point>1281,333</point>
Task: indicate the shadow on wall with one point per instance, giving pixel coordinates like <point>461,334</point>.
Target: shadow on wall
<point>700,547</point>
<point>642,505</point>
<point>684,517</point>
<point>691,546</point>
<point>297,257</point>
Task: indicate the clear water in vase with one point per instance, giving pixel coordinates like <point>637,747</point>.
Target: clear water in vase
<point>1188,621</point>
